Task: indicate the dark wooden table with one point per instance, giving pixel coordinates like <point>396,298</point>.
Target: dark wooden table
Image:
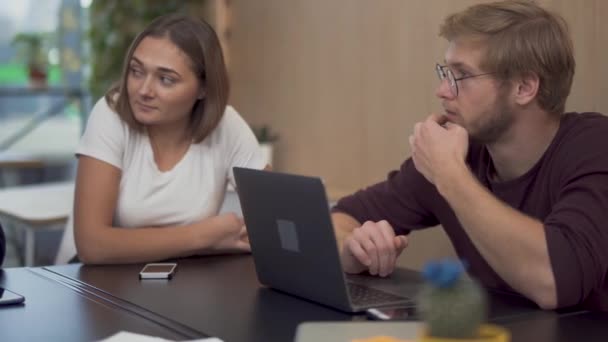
<point>56,311</point>
<point>220,296</point>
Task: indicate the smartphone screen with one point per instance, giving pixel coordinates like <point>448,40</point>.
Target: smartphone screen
<point>392,314</point>
<point>8,297</point>
<point>158,268</point>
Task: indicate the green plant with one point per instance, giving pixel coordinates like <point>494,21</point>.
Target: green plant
<point>33,48</point>
<point>114,25</point>
<point>453,305</point>
<point>264,134</point>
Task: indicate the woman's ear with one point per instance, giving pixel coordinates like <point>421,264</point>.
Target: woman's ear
<point>201,94</point>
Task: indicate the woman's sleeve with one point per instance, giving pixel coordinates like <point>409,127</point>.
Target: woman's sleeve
<point>104,136</point>
<point>241,145</point>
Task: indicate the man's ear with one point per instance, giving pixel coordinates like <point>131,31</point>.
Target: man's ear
<point>527,88</point>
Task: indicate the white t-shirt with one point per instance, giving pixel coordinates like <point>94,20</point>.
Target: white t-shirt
<point>192,190</point>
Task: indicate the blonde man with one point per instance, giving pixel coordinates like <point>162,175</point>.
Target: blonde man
<point>520,187</point>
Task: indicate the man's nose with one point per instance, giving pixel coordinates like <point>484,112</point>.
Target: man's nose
<point>444,90</point>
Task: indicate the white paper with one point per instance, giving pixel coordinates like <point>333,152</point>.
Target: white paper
<point>124,336</point>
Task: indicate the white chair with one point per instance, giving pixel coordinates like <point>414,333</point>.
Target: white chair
<point>37,207</point>
<point>67,247</point>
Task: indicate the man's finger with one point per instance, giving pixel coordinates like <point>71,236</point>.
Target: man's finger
<point>389,253</point>
<point>382,249</point>
<point>440,119</point>
<point>358,252</point>
<point>401,242</point>
<point>450,126</point>
<point>372,253</point>
<point>417,128</point>
<point>364,236</point>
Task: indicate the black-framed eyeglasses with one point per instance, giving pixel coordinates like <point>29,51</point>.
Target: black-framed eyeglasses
<point>443,72</point>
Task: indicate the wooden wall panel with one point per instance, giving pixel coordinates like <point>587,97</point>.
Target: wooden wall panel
<point>343,81</point>
<point>582,18</point>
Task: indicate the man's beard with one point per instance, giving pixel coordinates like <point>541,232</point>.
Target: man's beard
<point>493,123</point>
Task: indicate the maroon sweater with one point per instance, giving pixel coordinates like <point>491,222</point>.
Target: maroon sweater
<point>567,190</point>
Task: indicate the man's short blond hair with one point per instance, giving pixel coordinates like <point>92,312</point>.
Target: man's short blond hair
<point>520,38</point>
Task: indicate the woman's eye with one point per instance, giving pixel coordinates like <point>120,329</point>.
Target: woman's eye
<point>167,80</point>
<point>136,72</point>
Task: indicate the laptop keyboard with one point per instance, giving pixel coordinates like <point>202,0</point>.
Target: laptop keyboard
<point>366,296</point>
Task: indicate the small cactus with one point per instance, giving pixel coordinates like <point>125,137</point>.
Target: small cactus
<point>453,305</point>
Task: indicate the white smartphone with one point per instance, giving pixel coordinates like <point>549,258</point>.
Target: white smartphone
<point>8,297</point>
<point>392,314</point>
<point>158,271</point>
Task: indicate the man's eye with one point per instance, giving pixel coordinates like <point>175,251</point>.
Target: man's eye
<point>461,74</point>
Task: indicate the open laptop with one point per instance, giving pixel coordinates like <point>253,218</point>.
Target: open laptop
<point>293,241</point>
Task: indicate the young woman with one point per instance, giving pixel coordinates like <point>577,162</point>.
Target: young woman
<point>158,151</point>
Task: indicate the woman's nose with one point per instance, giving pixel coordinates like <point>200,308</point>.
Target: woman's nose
<point>145,88</point>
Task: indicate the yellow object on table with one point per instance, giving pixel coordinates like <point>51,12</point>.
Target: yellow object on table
<point>381,339</point>
<point>487,333</point>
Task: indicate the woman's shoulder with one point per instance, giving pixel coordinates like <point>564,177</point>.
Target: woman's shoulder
<point>231,129</point>
<point>104,109</point>
<point>231,117</point>
<point>103,114</point>
<point>231,123</point>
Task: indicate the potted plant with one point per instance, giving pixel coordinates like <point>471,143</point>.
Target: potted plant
<point>32,47</point>
<point>454,307</point>
<point>266,137</point>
